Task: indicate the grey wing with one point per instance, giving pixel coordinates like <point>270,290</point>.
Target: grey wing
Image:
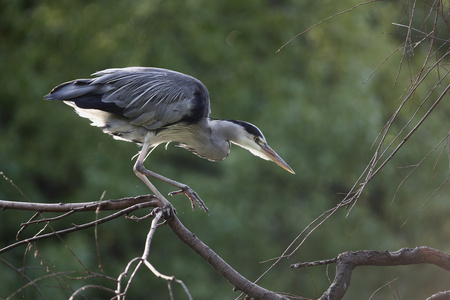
<point>148,97</point>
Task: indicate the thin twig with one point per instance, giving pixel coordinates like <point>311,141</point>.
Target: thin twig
<point>323,20</point>
<point>45,220</point>
<point>89,286</point>
<point>24,277</point>
<point>97,245</point>
<point>386,284</point>
<point>427,35</point>
<point>158,215</point>
<point>118,292</point>
<point>22,226</point>
<point>315,263</point>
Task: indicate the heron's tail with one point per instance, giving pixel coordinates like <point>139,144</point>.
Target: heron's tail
<point>71,90</point>
<point>84,94</point>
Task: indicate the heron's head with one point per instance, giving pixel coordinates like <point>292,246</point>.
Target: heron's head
<point>249,137</point>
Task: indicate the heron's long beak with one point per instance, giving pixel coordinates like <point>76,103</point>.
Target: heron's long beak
<point>273,156</point>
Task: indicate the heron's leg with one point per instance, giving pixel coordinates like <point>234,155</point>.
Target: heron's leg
<point>142,172</point>
<point>138,166</point>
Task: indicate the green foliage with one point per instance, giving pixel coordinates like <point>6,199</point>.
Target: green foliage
<point>317,102</point>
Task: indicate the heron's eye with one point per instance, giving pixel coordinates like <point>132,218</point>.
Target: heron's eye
<point>257,139</point>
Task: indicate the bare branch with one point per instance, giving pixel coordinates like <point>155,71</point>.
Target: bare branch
<point>83,206</point>
<point>347,261</point>
<point>158,215</point>
<point>91,286</point>
<point>123,274</point>
<point>237,280</point>
<point>315,263</point>
<point>128,205</point>
<point>440,296</point>
<point>110,204</point>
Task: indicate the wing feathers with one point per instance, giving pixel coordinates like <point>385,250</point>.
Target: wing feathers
<point>148,97</point>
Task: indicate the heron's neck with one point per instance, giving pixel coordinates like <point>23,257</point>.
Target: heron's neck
<point>223,132</point>
<point>210,140</point>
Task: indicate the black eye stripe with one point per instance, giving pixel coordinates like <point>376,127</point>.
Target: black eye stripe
<point>250,128</point>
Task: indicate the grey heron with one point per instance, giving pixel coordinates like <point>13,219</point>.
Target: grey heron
<point>153,106</point>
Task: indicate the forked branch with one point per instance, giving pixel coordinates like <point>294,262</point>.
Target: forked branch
<point>346,262</point>
<point>157,213</point>
<point>125,206</point>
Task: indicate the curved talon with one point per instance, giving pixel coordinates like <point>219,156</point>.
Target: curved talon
<point>193,197</point>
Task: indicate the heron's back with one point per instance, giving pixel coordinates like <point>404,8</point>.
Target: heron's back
<point>146,97</point>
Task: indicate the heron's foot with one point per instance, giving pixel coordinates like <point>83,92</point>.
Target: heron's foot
<point>193,197</point>
<point>168,212</point>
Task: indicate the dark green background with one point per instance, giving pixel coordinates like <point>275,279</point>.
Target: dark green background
<point>316,102</point>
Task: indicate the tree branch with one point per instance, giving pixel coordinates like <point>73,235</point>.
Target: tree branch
<point>445,295</point>
<point>123,203</point>
<point>237,280</point>
<point>126,205</point>
<point>157,213</point>
<point>347,261</point>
